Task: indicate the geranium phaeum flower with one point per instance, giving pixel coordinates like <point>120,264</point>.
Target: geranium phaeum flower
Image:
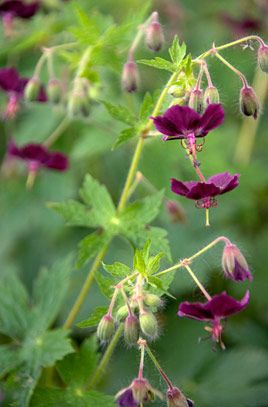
<point>17,8</point>
<point>204,192</point>
<point>182,122</point>
<point>14,85</point>
<point>220,306</point>
<point>37,156</point>
<point>243,26</point>
<point>140,391</point>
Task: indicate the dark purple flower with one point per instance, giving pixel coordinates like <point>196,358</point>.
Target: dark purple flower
<point>182,122</point>
<point>126,399</point>
<point>242,27</point>
<point>204,192</point>
<point>17,8</point>
<point>220,306</point>
<point>234,264</point>
<point>138,392</point>
<point>14,85</point>
<point>37,156</point>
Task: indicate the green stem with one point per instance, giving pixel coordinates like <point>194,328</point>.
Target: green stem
<point>39,65</point>
<point>197,282</point>
<point>57,133</point>
<point>157,365</point>
<point>106,357</point>
<point>85,288</point>
<point>230,66</point>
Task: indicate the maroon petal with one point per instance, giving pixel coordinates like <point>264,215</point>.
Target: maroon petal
<point>34,152</point>
<point>18,8</point>
<point>194,189</point>
<point>225,181</point>
<point>220,306</point>
<point>212,118</point>
<point>179,187</point>
<point>9,79</point>
<point>165,126</point>
<point>57,161</point>
<point>126,399</point>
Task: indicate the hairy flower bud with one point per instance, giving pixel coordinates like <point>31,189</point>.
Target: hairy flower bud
<point>148,324</point>
<point>175,398</point>
<point>131,329</point>
<point>54,91</point>
<point>234,264</point>
<point>130,77</point>
<point>32,89</point>
<point>211,95</point>
<point>106,328</point>
<point>142,390</point>
<point>263,57</point>
<point>152,300</point>
<point>122,313</point>
<point>196,100</point>
<point>249,104</point>
<point>154,37</point>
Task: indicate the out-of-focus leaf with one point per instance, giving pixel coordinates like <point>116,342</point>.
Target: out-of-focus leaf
<point>121,113</point>
<point>9,359</point>
<point>117,269</point>
<point>125,136</point>
<point>94,318</point>
<point>90,246</point>
<point>74,213</point>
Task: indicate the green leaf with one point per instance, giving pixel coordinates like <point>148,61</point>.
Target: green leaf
<point>76,368</point>
<point>98,198</point>
<point>159,63</point>
<point>158,283</point>
<point>146,107</point>
<point>106,284</point>
<point>91,245</point>
<point>14,306</point>
<point>117,269</point>
<point>120,113</point>
<point>74,213</point>
<point>177,52</point>
<point>9,359</point>
<point>125,136</point>
<point>139,263</point>
<point>71,397</point>
<point>88,31</point>
<point>94,318</point>
<point>44,350</point>
<point>154,263</point>
<point>49,291</point>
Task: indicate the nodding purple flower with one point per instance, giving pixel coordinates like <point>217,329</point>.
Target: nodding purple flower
<point>204,192</point>
<point>37,156</point>
<point>219,307</point>
<point>182,122</point>
<point>13,84</point>
<point>10,9</point>
<point>234,264</point>
<point>140,391</point>
<point>241,27</point>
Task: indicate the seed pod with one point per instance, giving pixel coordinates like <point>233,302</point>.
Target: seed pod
<point>263,57</point>
<point>148,324</point>
<point>249,104</point>
<point>106,328</point>
<point>54,91</point>
<point>154,37</point>
<point>130,77</point>
<point>196,100</point>
<point>131,329</point>
<point>211,95</point>
<point>234,264</point>
<point>32,89</point>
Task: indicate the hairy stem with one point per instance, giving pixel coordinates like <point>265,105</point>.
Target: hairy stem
<point>197,282</point>
<point>57,133</point>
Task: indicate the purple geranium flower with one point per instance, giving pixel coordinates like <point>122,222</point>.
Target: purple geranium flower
<point>204,192</point>
<point>37,156</point>
<point>220,306</point>
<point>13,84</point>
<point>182,122</point>
<point>17,8</point>
<point>138,392</point>
<point>242,27</point>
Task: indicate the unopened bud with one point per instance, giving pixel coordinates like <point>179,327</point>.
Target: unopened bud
<point>211,95</point>
<point>175,398</point>
<point>154,36</point>
<point>249,103</point>
<point>196,100</point>
<point>54,91</point>
<point>106,328</point>
<point>122,313</point>
<point>130,77</point>
<point>78,104</point>
<point>32,89</point>
<point>263,57</point>
<point>131,329</point>
<point>148,324</point>
<point>152,300</point>
<point>176,91</point>
<point>234,264</point>
<point>142,391</point>
<point>176,211</point>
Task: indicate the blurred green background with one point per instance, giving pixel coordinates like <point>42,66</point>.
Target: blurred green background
<point>32,235</point>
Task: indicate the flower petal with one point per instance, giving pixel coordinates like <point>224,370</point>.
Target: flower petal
<point>126,399</point>
<point>57,161</point>
<point>212,118</point>
<point>18,8</point>
<point>9,79</point>
<point>225,181</point>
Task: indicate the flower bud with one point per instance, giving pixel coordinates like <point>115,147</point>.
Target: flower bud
<point>175,398</point>
<point>249,104</point>
<point>152,300</point>
<point>106,328</point>
<point>122,313</point>
<point>130,77</point>
<point>263,57</point>
<point>154,37</point>
<point>196,100</point>
<point>234,264</point>
<point>54,91</point>
<point>176,211</point>
<point>131,329</point>
<point>78,104</point>
<point>148,324</point>
<point>32,89</point>
<point>142,391</point>
<point>211,95</point>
